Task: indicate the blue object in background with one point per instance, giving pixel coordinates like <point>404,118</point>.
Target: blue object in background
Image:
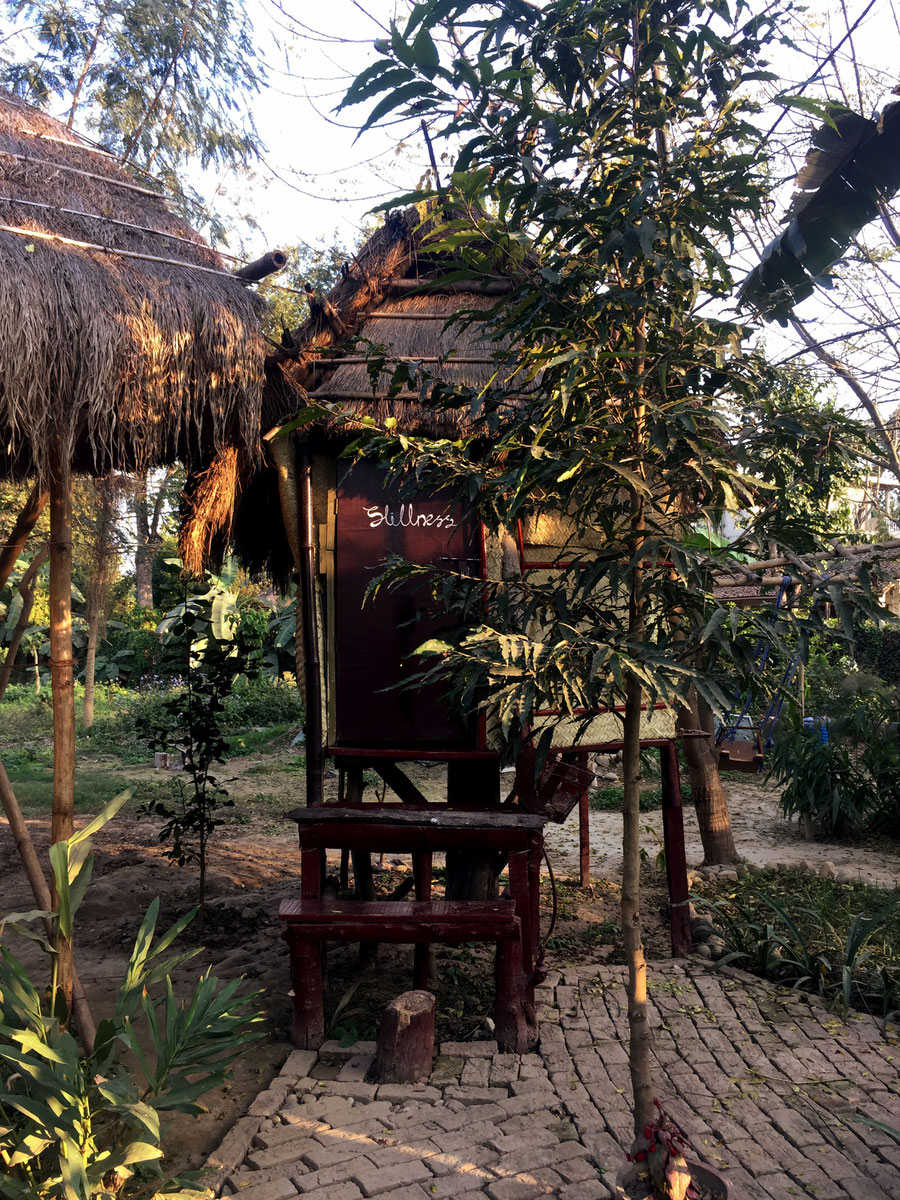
<point>820,723</point>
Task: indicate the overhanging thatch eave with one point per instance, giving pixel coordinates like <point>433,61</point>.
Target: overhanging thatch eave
<point>382,299</point>
<point>126,342</point>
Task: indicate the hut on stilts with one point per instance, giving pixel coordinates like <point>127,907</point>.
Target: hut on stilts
<point>127,344</point>
<point>339,521</point>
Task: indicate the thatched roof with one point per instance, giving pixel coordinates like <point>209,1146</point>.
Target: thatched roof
<point>391,295</point>
<point>109,357</point>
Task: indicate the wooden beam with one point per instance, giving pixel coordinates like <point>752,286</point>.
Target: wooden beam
<point>448,360</point>
<point>432,284</point>
<point>399,783</point>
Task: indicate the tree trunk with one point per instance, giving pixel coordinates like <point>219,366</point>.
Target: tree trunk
<point>405,1040</point>
<point>90,665</point>
<point>710,802</point>
<point>148,541</point>
<point>98,587</point>
<point>25,523</point>
<point>63,684</point>
<point>26,591</point>
<point>638,1021</point>
<point>143,555</point>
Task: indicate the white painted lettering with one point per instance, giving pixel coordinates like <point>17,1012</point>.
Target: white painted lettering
<point>405,516</point>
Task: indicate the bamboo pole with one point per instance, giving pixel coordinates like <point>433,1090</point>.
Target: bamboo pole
<point>109,180</point>
<point>25,523</point>
<point>58,239</point>
<point>63,682</point>
<point>87,1030</point>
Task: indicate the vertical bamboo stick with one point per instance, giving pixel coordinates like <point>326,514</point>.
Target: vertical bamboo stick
<point>87,1030</point>
<point>63,682</point>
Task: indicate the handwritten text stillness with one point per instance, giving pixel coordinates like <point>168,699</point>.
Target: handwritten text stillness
<point>406,517</point>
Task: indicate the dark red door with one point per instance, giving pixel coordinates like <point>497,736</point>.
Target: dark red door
<point>372,639</point>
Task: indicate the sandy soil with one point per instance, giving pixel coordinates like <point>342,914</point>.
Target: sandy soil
<point>762,836</point>
<point>254,864</point>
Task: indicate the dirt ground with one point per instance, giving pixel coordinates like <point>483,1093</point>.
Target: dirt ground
<point>762,836</point>
<point>254,863</point>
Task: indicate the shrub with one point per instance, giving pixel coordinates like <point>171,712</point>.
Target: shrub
<point>86,1123</point>
<point>262,702</point>
<point>805,931</point>
<point>610,799</point>
<point>851,781</point>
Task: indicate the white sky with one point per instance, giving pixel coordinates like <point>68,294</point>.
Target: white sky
<point>315,182</point>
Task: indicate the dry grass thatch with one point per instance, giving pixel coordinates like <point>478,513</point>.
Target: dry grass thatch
<point>110,361</point>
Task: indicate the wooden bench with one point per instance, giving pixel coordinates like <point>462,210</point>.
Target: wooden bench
<point>511,924</point>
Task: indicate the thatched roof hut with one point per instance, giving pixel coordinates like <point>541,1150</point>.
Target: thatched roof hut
<point>126,344</point>
<point>390,295</point>
<point>126,341</point>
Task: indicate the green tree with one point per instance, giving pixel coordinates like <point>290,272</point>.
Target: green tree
<point>604,153</point>
<point>160,84</point>
<point>808,450</point>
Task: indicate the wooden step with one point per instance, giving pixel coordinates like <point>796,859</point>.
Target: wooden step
<point>402,921</point>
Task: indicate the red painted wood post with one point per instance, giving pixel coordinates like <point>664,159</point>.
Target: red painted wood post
<point>584,827</point>
<point>515,1019</point>
<point>520,892</point>
<point>308,1025</point>
<point>676,862</point>
<point>535,859</point>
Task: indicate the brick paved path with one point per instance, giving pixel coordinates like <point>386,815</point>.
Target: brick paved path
<point>762,1081</point>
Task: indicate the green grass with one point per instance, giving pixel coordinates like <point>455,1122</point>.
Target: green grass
<point>272,737</point>
<point>33,785</point>
<point>609,799</point>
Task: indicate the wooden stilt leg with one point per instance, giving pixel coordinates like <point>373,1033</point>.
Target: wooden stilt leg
<point>584,827</point>
<point>520,892</point>
<point>514,1016</point>
<point>308,1024</point>
<point>422,969</point>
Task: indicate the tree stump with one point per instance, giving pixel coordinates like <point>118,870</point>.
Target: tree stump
<point>405,1040</point>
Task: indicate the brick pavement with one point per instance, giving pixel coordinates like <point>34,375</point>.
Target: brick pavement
<point>764,1082</point>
